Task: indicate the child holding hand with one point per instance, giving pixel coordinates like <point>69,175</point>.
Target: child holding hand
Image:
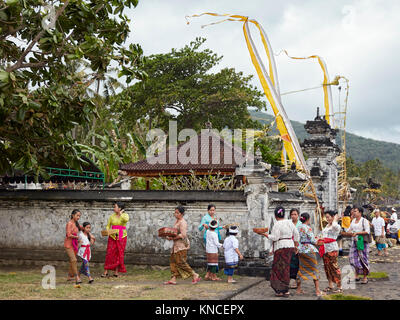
<point>232,253</point>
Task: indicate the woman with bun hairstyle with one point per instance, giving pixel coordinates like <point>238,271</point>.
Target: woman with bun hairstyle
<point>178,259</point>
<point>329,251</point>
<point>285,237</point>
<point>308,267</point>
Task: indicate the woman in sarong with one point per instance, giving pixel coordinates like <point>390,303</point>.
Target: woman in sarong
<point>116,242</point>
<point>71,245</point>
<point>359,250</point>
<point>308,268</point>
<point>178,264</point>
<point>329,251</point>
<point>285,237</point>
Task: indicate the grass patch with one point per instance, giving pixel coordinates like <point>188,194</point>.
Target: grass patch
<point>378,275</point>
<point>344,297</point>
<point>138,283</point>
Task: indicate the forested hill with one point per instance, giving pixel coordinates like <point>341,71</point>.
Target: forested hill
<point>359,148</point>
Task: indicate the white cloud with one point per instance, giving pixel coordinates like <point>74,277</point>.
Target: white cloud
<point>357,38</point>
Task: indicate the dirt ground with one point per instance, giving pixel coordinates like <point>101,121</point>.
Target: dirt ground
<point>25,283</point>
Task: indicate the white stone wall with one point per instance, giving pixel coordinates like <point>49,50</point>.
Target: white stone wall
<point>41,224</point>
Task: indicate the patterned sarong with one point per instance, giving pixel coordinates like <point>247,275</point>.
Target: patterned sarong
<point>359,258</point>
<point>230,267</point>
<point>280,273</point>
<point>308,266</point>
<point>179,266</point>
<point>212,262</point>
<point>115,255</point>
<point>331,267</point>
<point>294,266</point>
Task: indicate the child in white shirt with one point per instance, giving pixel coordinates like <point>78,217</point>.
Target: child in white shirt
<point>85,240</point>
<point>232,253</point>
<point>212,245</point>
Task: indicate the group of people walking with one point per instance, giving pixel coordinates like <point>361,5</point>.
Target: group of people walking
<point>295,249</point>
<point>211,239</point>
<point>79,239</point>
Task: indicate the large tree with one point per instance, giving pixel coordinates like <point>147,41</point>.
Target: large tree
<point>181,86</point>
<point>49,57</point>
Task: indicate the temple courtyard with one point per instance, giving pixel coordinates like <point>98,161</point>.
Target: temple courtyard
<point>23,281</point>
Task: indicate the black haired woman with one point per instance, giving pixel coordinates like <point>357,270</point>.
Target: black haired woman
<point>71,245</point>
<point>205,222</point>
<point>285,237</point>
<point>116,242</point>
<point>329,251</point>
<point>178,264</point>
<point>307,255</point>
<point>359,250</point>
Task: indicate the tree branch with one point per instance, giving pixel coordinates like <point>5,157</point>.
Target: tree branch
<point>18,64</point>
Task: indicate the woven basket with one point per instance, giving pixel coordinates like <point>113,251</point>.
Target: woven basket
<point>167,232</point>
<point>106,233</point>
<point>260,230</point>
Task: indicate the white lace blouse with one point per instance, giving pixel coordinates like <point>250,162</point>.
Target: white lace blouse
<point>283,233</point>
<point>332,232</point>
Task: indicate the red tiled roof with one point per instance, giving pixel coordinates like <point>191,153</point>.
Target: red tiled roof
<point>194,154</point>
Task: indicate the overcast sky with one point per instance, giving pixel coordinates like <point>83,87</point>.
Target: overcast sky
<point>358,39</point>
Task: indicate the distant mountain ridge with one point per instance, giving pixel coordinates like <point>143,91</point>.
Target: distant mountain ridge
<point>359,148</point>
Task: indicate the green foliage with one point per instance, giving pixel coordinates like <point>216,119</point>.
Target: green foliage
<point>181,86</point>
<point>359,173</point>
<point>43,97</point>
<point>344,297</point>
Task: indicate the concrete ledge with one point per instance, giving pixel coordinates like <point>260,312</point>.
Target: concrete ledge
<point>122,195</point>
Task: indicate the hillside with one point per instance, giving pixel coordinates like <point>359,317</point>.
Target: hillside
<point>359,148</point>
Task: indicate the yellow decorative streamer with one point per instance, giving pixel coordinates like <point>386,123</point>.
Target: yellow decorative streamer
<point>326,85</point>
<point>270,85</point>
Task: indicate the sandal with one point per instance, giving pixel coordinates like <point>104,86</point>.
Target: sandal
<point>104,275</point>
<point>91,281</point>
<point>286,294</point>
<point>278,294</point>
<point>169,282</point>
<point>328,289</point>
<point>194,281</point>
<point>233,281</point>
<point>216,279</point>
<point>337,290</point>
<point>364,281</point>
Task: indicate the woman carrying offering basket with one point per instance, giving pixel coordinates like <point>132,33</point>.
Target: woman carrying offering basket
<point>285,239</point>
<point>116,242</point>
<point>179,266</point>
